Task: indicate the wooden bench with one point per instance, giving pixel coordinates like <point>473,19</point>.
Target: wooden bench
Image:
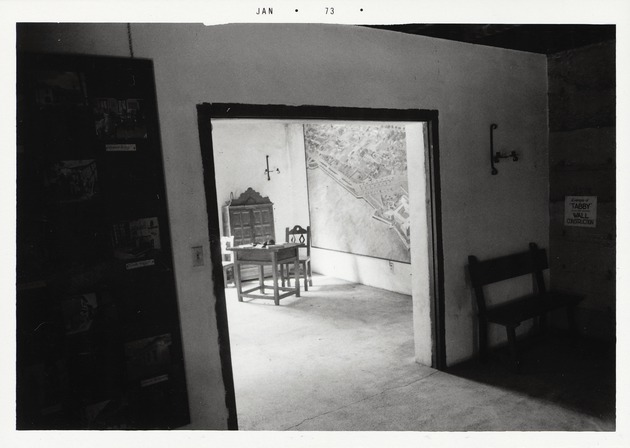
<point>512,312</point>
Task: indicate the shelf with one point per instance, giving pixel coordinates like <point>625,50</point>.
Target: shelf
<point>94,249</point>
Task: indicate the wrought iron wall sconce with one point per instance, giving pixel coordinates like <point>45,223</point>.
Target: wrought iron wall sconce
<point>268,171</point>
<point>495,157</point>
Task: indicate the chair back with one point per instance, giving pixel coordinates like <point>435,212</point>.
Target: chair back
<point>300,236</point>
<point>534,261</point>
<point>226,242</point>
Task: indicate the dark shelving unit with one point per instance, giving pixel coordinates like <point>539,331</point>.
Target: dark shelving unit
<point>98,332</point>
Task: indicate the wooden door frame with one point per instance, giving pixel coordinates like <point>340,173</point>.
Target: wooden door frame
<point>206,112</point>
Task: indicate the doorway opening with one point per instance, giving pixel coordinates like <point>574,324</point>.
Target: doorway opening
<point>426,271</point>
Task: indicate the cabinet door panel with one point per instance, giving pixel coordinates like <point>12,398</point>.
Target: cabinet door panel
<point>249,223</point>
<point>257,217</point>
<point>267,217</point>
<point>246,218</point>
<point>235,218</point>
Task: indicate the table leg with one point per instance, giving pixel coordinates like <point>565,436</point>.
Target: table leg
<point>274,270</point>
<point>237,280</point>
<point>261,278</point>
<point>296,268</point>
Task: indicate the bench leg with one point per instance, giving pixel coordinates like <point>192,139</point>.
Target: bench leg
<point>511,335</point>
<point>573,328</point>
<point>483,340</point>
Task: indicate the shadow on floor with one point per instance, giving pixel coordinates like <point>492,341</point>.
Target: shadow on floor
<point>576,374</point>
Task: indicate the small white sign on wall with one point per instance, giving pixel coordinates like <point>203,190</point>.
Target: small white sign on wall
<point>580,211</point>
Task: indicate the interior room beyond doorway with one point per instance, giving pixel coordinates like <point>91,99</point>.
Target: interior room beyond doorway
<point>244,149</point>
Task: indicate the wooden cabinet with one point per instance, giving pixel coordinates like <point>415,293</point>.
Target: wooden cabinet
<point>249,219</point>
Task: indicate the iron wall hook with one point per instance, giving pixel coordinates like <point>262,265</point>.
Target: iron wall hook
<point>493,126</point>
<point>495,157</point>
<point>268,171</point>
<point>498,156</point>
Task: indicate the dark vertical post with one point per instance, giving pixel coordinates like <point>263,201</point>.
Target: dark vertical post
<point>437,252</point>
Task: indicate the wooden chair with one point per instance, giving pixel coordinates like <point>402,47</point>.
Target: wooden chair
<point>227,257</point>
<point>302,237</point>
<point>511,313</point>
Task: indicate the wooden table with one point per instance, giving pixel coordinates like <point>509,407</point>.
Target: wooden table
<point>265,256</point>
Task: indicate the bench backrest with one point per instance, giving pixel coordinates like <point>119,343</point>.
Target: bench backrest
<point>534,261</point>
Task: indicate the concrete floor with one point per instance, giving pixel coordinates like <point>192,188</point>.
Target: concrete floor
<point>340,358</point>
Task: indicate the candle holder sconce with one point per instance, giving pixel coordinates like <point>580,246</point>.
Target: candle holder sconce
<point>495,157</point>
<point>268,171</point>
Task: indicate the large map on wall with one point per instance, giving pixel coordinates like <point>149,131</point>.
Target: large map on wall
<point>357,187</point>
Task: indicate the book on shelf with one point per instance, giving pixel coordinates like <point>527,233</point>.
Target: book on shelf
<point>71,180</point>
<point>55,88</point>
<point>119,118</point>
<point>148,359</point>
<point>135,239</point>
<point>79,312</point>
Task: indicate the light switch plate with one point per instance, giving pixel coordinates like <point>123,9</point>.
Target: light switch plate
<point>197,254</point>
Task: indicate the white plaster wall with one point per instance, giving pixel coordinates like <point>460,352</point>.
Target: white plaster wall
<point>420,285</point>
<point>334,65</point>
<point>297,156</point>
<point>240,148</point>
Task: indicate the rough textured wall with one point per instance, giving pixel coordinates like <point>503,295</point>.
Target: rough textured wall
<point>582,163</point>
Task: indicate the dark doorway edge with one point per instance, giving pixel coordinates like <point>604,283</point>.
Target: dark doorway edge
<point>207,158</point>
<point>208,111</point>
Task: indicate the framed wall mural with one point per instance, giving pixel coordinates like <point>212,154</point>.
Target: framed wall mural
<point>358,189</point>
